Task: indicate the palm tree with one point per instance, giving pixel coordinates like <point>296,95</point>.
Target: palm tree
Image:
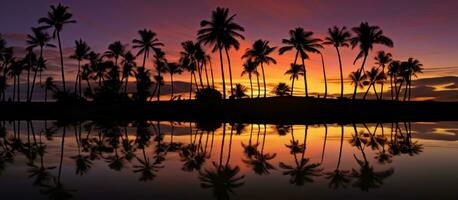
<point>221,32</point>
<point>81,52</point>
<point>29,63</point>
<point>324,77</point>
<point>366,37</point>
<point>413,67</point>
<point>339,178</point>
<point>338,37</point>
<point>188,60</point>
<point>382,59</point>
<point>49,86</point>
<point>393,71</point>
<point>295,71</point>
<point>38,39</point>
<point>146,43</point>
<point>161,67</point>
<point>115,50</point>
<point>303,42</point>
<point>239,91</point>
<point>128,68</point>
<point>358,79</point>
<point>15,71</point>
<point>259,53</point>
<point>249,67</point>
<point>173,68</point>
<point>282,90</point>
<point>373,75</point>
<point>57,18</point>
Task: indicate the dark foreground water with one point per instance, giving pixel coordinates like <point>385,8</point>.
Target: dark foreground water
<point>171,160</point>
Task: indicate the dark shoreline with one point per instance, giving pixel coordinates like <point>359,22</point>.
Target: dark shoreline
<point>275,110</point>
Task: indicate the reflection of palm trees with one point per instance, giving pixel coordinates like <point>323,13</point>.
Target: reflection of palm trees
<point>303,171</point>
<point>260,160</point>
<point>339,178</point>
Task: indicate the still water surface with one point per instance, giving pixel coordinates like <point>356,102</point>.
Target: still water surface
<point>183,160</point>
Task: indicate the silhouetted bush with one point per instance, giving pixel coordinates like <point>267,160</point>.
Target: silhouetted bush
<point>67,97</point>
<point>208,94</point>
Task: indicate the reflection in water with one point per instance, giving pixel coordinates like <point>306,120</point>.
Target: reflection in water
<point>222,157</point>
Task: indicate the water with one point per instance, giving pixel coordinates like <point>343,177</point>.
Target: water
<point>172,160</point>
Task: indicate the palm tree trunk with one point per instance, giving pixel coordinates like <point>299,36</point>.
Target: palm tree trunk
<point>251,85</point>
<point>367,91</point>
<point>171,80</point>
<point>324,76</point>
<point>199,70</point>
<point>399,90</point>
<point>144,59</point>
<point>211,72</point>
<point>361,70</point>
<point>195,80</point>
<point>341,73</point>
<point>391,86</point>
<point>341,145</point>
<point>190,88</point>
<point>77,75</point>
<point>259,85</point>
<point>410,86</point>
<point>406,89</point>
<point>159,84</point>
<point>28,75</point>
<point>292,87</point>
<point>14,88</point>
<point>61,62</point>
<point>222,71</point>
<point>229,65</point>
<point>375,91</point>
<point>383,83</point>
<point>264,80</point>
<point>305,78</point>
<point>19,88</point>
<point>206,74</point>
<point>35,74</point>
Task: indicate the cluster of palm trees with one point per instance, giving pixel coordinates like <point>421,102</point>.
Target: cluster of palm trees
<point>112,69</point>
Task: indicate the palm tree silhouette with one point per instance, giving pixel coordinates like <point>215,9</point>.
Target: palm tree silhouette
<point>188,61</point>
<point>56,19</point>
<point>260,160</point>
<point>115,50</point>
<point>303,42</point>
<point>81,52</point>
<point>146,43</point>
<point>128,68</point>
<point>38,39</point>
<point>338,37</point>
<point>259,53</point>
<point>161,67</point>
<point>295,71</point>
<point>29,62</point>
<point>374,75</point>
<point>382,59</point>
<point>249,67</point>
<point>49,86</point>
<point>412,68</point>
<point>239,91</point>
<point>222,180</point>
<point>221,32</point>
<point>393,71</point>
<point>282,90</point>
<point>324,77</point>
<point>173,68</point>
<point>366,37</point>
<point>358,80</point>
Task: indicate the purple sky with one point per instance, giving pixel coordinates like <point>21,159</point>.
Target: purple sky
<point>424,29</point>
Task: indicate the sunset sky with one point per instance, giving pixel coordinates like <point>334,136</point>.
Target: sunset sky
<point>423,29</point>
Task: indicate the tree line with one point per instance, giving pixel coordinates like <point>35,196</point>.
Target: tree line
<point>106,75</point>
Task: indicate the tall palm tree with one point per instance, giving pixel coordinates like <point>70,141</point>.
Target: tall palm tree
<point>338,37</point>
<point>146,43</point>
<point>39,39</point>
<point>172,69</point>
<point>221,32</point>
<point>382,59</point>
<point>128,68</point>
<point>366,36</point>
<point>16,69</point>
<point>57,18</point>
<point>115,50</point>
<point>358,79</point>
<point>29,62</point>
<point>324,77</point>
<point>294,72</point>
<point>259,53</point>
<point>188,60</point>
<point>81,52</point>
<point>303,42</point>
<point>249,68</point>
